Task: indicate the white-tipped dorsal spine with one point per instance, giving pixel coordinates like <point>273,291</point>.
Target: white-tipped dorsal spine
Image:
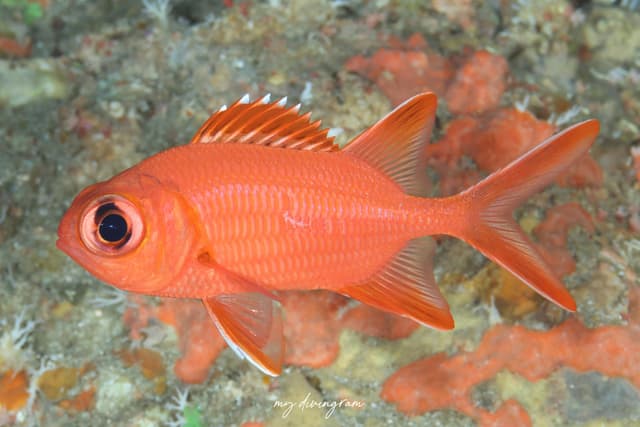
<point>272,124</point>
<point>265,99</point>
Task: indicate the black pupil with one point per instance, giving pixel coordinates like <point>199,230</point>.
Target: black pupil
<point>113,228</point>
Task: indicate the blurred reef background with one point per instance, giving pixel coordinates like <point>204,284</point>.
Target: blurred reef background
<point>88,88</point>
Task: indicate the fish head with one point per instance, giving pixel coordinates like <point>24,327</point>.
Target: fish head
<point>132,232</point>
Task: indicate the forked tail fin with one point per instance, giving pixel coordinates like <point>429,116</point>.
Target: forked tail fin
<point>490,204</point>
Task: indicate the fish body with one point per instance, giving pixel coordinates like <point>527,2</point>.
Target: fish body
<point>288,219</point>
<point>263,201</point>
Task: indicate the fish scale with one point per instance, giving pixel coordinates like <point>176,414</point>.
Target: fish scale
<point>233,225</point>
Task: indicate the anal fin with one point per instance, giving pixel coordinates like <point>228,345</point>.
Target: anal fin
<point>407,287</point>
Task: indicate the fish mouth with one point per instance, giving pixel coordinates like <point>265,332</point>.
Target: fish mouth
<point>60,244</point>
<point>65,234</point>
<point>63,245</point>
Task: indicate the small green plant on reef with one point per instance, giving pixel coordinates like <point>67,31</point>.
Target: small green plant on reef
<point>31,11</point>
<point>192,417</point>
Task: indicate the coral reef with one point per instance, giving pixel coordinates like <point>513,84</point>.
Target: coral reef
<point>478,84</point>
<point>311,327</point>
<point>441,381</point>
<point>493,140</point>
<point>89,88</point>
<point>199,341</point>
<point>635,153</point>
<point>552,234</point>
<point>13,390</point>
<point>313,322</point>
<point>405,70</point>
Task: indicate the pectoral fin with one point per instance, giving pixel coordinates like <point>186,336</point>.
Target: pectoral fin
<point>249,319</point>
<point>251,324</point>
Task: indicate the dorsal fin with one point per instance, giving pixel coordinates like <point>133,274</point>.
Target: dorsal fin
<point>264,123</point>
<point>396,143</point>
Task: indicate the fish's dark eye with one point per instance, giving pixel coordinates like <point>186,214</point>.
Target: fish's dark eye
<point>111,225</point>
<point>113,228</point>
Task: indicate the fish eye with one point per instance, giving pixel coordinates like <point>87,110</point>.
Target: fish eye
<point>111,225</point>
<point>113,228</point>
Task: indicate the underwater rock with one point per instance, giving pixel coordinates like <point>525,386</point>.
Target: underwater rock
<point>442,381</point>
<point>56,383</point>
<point>115,392</point>
<point>31,81</point>
<point>614,35</point>
<point>635,154</point>
<point>150,363</point>
<point>299,404</point>
<point>83,401</point>
<point>592,396</point>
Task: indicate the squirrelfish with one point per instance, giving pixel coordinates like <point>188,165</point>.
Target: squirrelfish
<point>262,201</point>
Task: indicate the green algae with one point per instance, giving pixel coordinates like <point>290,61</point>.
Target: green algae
<point>192,417</point>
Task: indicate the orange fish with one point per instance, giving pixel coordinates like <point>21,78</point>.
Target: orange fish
<point>262,201</point>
